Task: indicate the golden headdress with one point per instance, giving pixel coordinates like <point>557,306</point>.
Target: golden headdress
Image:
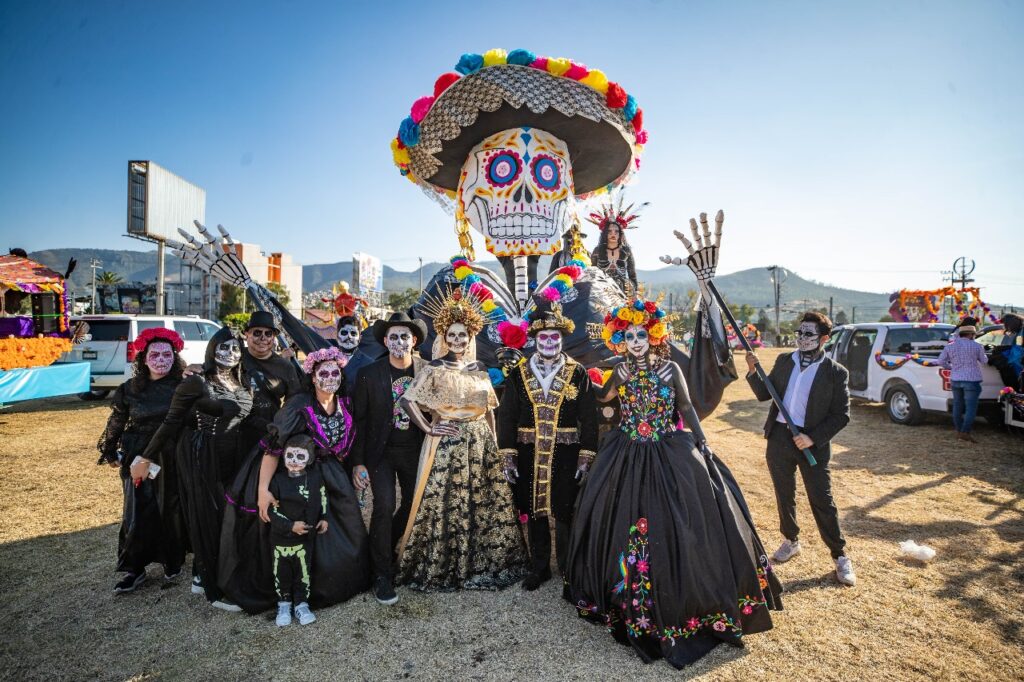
<point>551,319</point>
<point>452,307</point>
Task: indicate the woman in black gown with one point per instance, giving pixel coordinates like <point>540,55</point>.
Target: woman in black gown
<point>206,418</point>
<point>663,550</point>
<point>341,563</point>
<point>152,528</point>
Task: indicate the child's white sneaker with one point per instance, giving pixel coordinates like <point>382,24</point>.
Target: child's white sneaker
<point>304,615</point>
<point>284,613</point>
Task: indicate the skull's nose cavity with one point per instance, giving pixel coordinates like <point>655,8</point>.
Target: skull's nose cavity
<point>528,194</point>
<point>518,194</point>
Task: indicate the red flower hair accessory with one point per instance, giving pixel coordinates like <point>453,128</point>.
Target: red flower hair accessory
<point>158,334</point>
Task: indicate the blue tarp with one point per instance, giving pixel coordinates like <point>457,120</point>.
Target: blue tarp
<point>43,382</point>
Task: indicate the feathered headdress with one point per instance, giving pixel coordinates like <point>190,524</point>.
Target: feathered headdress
<point>613,211</point>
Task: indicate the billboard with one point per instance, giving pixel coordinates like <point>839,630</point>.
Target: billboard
<point>159,202</point>
<point>367,273</point>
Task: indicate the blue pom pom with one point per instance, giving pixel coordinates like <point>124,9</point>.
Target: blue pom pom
<point>578,263</point>
<point>561,286</point>
<point>469,63</point>
<point>629,111</point>
<point>521,57</point>
<point>497,376</point>
<point>638,305</point>
<point>470,279</point>
<point>618,337</point>
<point>409,132</point>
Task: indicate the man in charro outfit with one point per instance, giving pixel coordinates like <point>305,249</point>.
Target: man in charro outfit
<point>547,433</point>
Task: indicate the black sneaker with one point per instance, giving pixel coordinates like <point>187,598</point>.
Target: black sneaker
<point>171,573</point>
<point>383,592</point>
<point>129,583</point>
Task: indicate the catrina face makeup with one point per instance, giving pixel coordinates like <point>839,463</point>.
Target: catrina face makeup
<point>327,376</point>
<point>638,341</point>
<point>807,337</point>
<point>348,338</point>
<point>295,460</point>
<point>549,344</point>
<point>159,359</point>
<point>457,338</point>
<point>399,341</point>
<point>228,353</point>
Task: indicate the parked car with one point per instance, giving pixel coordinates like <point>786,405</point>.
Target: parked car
<point>107,346</point>
<point>910,389</point>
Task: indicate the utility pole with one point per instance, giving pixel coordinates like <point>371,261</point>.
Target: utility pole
<point>830,307</point>
<point>853,315</point>
<point>777,280</point>
<point>94,264</point>
<point>421,274</point>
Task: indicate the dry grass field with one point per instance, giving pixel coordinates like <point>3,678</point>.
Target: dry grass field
<point>959,617</point>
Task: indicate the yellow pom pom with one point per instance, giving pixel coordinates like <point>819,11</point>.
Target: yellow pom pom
<point>399,154</point>
<point>463,272</point>
<point>488,305</point>
<point>565,279</point>
<point>597,80</point>
<point>495,56</point>
<point>556,67</point>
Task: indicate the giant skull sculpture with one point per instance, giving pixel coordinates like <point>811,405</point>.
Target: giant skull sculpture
<point>516,189</point>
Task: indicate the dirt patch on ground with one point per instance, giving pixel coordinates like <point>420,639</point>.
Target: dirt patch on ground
<point>957,618</point>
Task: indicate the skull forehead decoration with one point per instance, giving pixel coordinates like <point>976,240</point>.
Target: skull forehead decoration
<point>517,190</point>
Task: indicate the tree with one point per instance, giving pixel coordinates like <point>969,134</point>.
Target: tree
<point>281,292</point>
<point>886,318</point>
<point>108,277</point>
<point>403,300</point>
<point>841,318</point>
<point>231,300</point>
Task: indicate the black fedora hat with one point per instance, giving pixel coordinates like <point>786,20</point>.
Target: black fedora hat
<point>262,319</point>
<point>381,327</point>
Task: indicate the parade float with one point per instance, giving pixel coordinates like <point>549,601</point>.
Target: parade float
<point>929,305</point>
<point>34,332</point>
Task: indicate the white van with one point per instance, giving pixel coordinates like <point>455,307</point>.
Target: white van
<point>107,345</point>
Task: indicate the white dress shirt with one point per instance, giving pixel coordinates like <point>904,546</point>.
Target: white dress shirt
<point>798,390</point>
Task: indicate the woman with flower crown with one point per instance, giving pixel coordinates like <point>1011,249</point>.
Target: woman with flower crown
<point>663,551</point>
<point>463,532</point>
<point>341,565</point>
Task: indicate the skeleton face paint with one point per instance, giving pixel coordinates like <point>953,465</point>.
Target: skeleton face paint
<point>807,337</point>
<point>260,342</point>
<point>228,353</point>
<point>399,341</point>
<point>159,359</point>
<point>327,376</point>
<point>613,236</point>
<point>457,338</point>
<point>638,341</point>
<point>295,460</point>
<point>549,344</point>
<point>348,338</point>
<point>516,189</point>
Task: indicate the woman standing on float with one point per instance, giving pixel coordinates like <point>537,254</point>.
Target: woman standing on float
<point>152,529</point>
<point>663,550</point>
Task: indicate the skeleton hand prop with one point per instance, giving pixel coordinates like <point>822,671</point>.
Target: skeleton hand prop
<point>216,256</point>
<point>703,250</point>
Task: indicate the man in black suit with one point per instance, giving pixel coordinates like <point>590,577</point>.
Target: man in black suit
<point>387,444</point>
<point>814,390</point>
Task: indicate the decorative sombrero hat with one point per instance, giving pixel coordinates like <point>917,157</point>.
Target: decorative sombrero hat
<point>495,91</point>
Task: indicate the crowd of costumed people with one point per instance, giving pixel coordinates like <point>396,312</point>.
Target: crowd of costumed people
<point>504,428</point>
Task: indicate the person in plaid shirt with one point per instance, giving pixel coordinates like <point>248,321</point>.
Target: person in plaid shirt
<point>964,358</point>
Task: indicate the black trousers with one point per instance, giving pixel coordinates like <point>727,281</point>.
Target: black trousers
<point>539,530</point>
<point>387,524</point>
<point>783,460</point>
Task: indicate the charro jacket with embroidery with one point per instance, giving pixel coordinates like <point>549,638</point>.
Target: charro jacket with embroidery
<point>548,434</point>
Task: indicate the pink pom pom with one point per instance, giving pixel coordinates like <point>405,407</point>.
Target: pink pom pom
<point>577,71</point>
<point>503,325</point>
<point>641,137</point>
<point>476,288</point>
<point>420,108</point>
<point>551,294</point>
<point>540,63</point>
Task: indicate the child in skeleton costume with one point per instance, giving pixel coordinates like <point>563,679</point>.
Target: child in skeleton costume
<point>663,551</point>
<point>299,515</point>
<point>612,254</point>
<point>462,531</point>
<point>206,418</point>
<point>340,566</point>
<point>152,528</point>
<point>547,432</point>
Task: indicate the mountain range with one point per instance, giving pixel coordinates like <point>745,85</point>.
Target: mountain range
<point>751,287</point>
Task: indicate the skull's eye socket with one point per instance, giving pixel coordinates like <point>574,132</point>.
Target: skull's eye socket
<point>545,172</point>
<point>504,168</point>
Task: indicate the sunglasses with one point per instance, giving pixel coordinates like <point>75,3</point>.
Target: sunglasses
<point>329,374</point>
<point>261,333</point>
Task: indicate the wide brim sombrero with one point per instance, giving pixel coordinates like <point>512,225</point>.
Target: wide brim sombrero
<point>601,124</point>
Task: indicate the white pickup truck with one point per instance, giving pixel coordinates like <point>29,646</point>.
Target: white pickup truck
<point>886,365</point>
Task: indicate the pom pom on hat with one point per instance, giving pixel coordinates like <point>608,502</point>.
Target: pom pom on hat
<point>444,81</point>
<point>409,132</point>
<point>521,57</point>
<point>469,63</point>
<point>420,108</point>
<point>616,97</point>
<point>495,57</point>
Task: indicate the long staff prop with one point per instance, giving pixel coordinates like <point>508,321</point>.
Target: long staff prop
<point>702,261</point>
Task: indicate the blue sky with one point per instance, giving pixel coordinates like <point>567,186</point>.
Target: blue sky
<point>862,144</point>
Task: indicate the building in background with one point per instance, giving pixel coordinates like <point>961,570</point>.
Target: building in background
<point>277,268</point>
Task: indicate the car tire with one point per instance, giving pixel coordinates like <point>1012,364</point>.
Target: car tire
<point>902,406</point>
<point>95,394</point>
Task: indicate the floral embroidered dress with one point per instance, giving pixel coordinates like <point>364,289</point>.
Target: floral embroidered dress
<point>341,564</point>
<point>663,551</point>
<point>463,532</point>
